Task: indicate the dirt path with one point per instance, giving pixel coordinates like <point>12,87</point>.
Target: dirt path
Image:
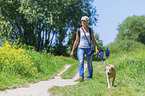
<point>41,88</point>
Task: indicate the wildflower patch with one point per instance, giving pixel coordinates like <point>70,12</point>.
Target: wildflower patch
<point>15,60</point>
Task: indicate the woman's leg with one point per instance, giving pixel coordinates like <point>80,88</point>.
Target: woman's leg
<point>81,62</point>
<point>90,66</point>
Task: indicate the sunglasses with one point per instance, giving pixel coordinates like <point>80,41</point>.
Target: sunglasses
<point>83,20</point>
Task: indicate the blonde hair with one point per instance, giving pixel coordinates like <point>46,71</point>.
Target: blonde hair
<point>85,18</point>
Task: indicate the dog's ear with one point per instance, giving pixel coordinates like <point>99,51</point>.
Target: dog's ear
<point>112,68</point>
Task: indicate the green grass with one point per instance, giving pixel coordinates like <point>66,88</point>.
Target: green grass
<point>130,80</point>
<point>71,72</point>
<point>19,67</point>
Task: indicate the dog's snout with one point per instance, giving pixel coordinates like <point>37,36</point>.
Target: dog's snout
<point>108,73</point>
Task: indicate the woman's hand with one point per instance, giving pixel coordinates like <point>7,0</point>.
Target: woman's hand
<point>71,55</point>
<point>97,51</point>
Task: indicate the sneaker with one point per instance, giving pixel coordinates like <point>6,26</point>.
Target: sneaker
<point>81,79</point>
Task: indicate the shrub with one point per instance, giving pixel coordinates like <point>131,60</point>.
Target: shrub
<point>14,60</point>
<point>125,45</point>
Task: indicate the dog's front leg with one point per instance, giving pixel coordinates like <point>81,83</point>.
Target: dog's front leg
<point>113,81</point>
<point>108,80</point>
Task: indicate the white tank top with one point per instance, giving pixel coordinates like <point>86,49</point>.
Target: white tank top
<point>83,41</point>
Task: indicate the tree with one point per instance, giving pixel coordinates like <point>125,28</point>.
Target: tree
<point>99,42</point>
<point>133,28</point>
<point>42,23</point>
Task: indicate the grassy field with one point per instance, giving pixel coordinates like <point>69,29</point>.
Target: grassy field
<point>130,80</point>
<point>19,67</point>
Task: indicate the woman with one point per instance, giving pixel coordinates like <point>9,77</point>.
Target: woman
<point>84,48</point>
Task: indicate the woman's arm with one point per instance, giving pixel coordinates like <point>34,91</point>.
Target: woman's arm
<point>75,44</point>
<point>94,41</point>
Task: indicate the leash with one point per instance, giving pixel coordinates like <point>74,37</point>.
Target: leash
<point>103,61</point>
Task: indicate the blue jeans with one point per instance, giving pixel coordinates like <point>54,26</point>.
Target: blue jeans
<point>81,53</point>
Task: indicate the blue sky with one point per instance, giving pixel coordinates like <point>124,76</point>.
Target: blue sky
<point>114,12</point>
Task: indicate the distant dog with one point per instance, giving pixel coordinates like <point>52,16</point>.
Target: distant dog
<point>111,73</point>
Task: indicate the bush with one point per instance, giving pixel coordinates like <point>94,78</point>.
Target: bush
<point>125,45</point>
<point>14,60</point>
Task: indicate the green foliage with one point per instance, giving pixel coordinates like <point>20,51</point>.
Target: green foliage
<point>14,60</point>
<point>124,45</point>
<point>132,28</point>
<point>99,42</point>
<point>59,50</point>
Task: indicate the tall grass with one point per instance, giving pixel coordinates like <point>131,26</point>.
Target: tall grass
<point>130,80</point>
<point>19,67</point>
<point>125,45</point>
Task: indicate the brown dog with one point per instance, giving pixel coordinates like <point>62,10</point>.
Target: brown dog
<point>111,73</point>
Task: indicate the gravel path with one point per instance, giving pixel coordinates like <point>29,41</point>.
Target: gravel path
<point>41,88</point>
